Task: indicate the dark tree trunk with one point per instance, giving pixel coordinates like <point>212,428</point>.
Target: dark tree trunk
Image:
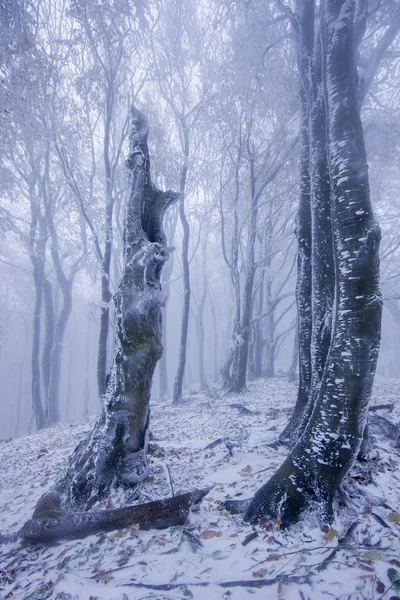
<point>65,284</point>
<point>202,303</point>
<point>322,268</point>
<point>303,225</point>
<point>106,295</point>
<point>37,246</point>
<point>269,369</point>
<point>53,396</point>
<point>333,435</point>
<point>178,383</point>
<point>48,334</point>
<point>116,449</point>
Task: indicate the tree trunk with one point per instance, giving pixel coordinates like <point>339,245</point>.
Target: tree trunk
<point>53,396</point>
<point>37,255</point>
<point>238,383</point>
<point>202,303</point>
<point>106,295</point>
<point>171,223</point>
<point>178,383</point>
<point>331,440</point>
<point>86,396</point>
<point>116,449</point>
<point>303,225</point>
<point>48,334</point>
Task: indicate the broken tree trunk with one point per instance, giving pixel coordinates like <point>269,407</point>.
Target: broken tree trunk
<point>115,451</point>
<point>50,522</point>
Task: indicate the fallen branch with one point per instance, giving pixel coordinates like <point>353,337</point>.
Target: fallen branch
<point>50,522</point>
<point>376,407</point>
<point>251,583</point>
<point>243,410</point>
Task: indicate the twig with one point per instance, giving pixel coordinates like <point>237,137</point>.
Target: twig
<point>171,487</point>
<point>341,543</point>
<point>249,538</point>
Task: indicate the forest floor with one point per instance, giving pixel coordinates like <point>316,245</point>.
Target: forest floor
<point>215,556</point>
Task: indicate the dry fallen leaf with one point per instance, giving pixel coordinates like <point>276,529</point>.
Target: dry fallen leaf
<point>119,534</point>
<point>330,535</point>
<point>394,517</point>
<point>210,533</point>
<point>260,573</point>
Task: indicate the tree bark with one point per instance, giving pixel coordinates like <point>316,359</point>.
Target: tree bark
<point>50,522</point>
<point>116,449</point>
<point>178,383</point>
<point>37,246</point>
<point>48,334</point>
<point>106,295</point>
<point>332,437</point>
<point>305,42</point>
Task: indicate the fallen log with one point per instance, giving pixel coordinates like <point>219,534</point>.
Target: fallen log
<point>50,522</point>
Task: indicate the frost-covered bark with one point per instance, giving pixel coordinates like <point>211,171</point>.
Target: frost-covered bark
<point>115,452</point>
<point>303,224</point>
<point>37,246</point>
<point>239,372</point>
<point>333,435</point>
<point>178,383</point>
<point>322,270</point>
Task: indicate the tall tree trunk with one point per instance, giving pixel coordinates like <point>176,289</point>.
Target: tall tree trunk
<point>86,394</point>
<point>305,11</point>
<point>37,248</point>
<point>48,334</point>
<point>53,396</point>
<point>106,295</point>
<point>332,437</point>
<point>202,303</point>
<point>238,383</point>
<point>116,449</point>
<point>178,383</point>
<point>171,223</point>
<point>269,369</point>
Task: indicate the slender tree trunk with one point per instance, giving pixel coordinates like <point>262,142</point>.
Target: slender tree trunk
<point>37,255</point>
<point>238,383</point>
<point>21,372</point>
<point>166,275</point>
<point>53,397</point>
<point>115,452</point>
<point>86,396</point>
<point>200,320</point>
<point>178,383</point>
<point>106,295</point>
<point>331,440</point>
<point>303,225</point>
<point>69,382</point>
<point>48,335</point>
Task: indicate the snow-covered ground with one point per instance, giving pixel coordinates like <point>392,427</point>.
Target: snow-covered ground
<point>207,558</point>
